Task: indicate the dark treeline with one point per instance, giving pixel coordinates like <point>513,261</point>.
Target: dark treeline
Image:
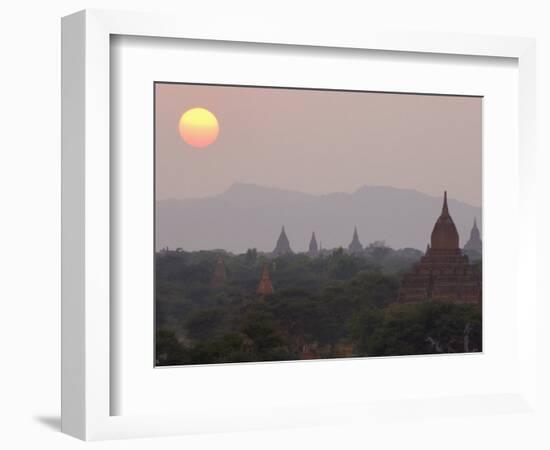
<point>335,305</point>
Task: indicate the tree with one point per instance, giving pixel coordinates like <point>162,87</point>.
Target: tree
<point>378,250</point>
<point>168,350</point>
<point>421,328</point>
<point>221,349</point>
<point>251,255</point>
<point>319,301</point>
<point>203,324</point>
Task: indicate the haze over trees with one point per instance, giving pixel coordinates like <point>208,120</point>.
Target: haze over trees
<point>334,305</point>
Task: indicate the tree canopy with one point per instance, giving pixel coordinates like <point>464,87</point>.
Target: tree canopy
<point>334,305</point>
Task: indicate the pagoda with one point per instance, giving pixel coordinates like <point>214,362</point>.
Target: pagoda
<point>444,273</point>
<point>473,246</point>
<point>355,246</point>
<point>265,287</point>
<point>218,279</point>
<point>283,245</point>
<point>313,250</point>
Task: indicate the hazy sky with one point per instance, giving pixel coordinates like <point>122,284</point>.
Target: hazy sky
<point>320,141</point>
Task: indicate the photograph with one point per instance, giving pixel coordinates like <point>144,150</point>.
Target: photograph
<point>302,224</point>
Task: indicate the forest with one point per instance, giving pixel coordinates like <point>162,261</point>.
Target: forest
<point>334,305</point>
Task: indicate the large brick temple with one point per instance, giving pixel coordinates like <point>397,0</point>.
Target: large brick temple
<point>444,273</point>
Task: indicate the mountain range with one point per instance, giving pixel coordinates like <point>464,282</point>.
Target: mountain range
<point>251,216</point>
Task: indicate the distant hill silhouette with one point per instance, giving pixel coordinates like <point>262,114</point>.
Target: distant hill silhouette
<point>250,216</point>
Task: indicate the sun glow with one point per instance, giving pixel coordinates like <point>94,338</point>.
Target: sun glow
<point>198,127</point>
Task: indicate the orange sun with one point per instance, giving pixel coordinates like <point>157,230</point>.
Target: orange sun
<point>198,127</point>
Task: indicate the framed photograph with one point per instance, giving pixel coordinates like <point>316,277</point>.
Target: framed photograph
<point>267,228</point>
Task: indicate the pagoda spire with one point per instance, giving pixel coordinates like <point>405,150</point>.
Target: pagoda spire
<point>474,246</point>
<point>355,246</point>
<point>265,287</point>
<point>283,245</point>
<point>445,209</point>
<point>444,234</point>
<point>313,248</point>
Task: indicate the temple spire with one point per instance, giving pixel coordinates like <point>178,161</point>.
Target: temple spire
<point>283,245</point>
<point>445,209</point>
<point>313,248</point>
<point>474,246</point>
<point>444,234</point>
<point>355,246</point>
<point>265,287</point>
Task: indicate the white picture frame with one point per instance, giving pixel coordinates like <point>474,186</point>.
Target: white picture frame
<point>87,385</point>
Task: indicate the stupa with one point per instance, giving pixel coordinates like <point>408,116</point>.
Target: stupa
<point>283,245</point>
<point>265,287</point>
<point>313,250</point>
<point>473,247</point>
<point>355,246</point>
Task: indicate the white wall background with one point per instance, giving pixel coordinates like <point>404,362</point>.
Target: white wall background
<point>29,225</point>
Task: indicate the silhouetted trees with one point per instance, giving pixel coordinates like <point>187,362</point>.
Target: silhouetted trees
<point>324,303</point>
<point>422,328</point>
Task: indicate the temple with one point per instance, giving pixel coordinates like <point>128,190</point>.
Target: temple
<point>218,279</point>
<point>355,246</point>
<point>265,287</point>
<point>444,273</point>
<point>473,247</point>
<point>313,250</point>
<point>283,245</point>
